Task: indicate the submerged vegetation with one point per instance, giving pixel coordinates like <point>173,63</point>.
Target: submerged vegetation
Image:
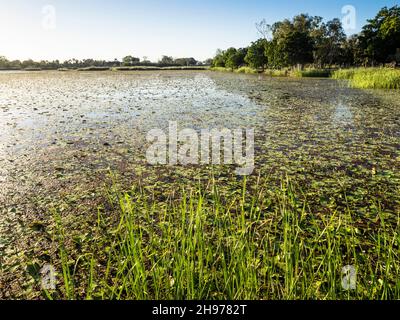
<point>254,243</point>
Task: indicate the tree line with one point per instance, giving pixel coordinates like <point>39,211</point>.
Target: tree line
<point>128,61</point>
<point>309,41</point>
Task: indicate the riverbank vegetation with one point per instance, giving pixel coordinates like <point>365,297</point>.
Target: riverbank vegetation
<point>137,68</point>
<point>307,42</point>
<point>285,72</point>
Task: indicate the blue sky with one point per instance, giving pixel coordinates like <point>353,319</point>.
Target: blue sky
<point>112,29</point>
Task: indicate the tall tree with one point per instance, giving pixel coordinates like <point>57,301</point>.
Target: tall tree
<point>234,58</point>
<point>256,54</point>
<point>292,44</point>
<point>329,44</point>
<point>380,37</point>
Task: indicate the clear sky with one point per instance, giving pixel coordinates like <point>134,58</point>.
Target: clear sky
<point>181,28</point>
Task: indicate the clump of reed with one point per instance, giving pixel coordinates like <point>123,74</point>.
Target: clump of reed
<point>221,69</point>
<point>370,78</point>
<point>277,72</point>
<point>246,70</point>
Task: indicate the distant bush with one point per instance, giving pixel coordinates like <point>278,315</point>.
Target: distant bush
<point>344,74</point>
<point>186,68</point>
<point>277,73</point>
<point>94,69</point>
<point>246,70</point>
<point>136,68</point>
<point>33,69</point>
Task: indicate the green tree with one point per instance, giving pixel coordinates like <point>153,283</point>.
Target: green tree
<point>130,61</point>
<point>380,37</point>
<point>3,62</point>
<point>329,43</point>
<point>185,62</point>
<point>297,48</point>
<point>208,62</point>
<point>273,53</point>
<point>235,57</point>
<point>219,59</point>
<point>256,54</point>
<point>229,57</point>
<point>351,52</point>
<point>166,60</point>
<point>292,41</point>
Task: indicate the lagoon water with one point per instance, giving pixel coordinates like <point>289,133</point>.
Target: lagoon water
<point>61,131</point>
<point>48,117</point>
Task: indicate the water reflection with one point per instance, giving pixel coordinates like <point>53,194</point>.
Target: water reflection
<point>343,114</point>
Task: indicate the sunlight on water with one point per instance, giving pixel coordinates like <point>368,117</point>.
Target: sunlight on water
<point>343,114</point>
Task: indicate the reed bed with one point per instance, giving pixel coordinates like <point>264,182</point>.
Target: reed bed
<point>370,78</point>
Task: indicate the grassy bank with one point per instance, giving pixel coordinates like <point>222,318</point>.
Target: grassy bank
<point>261,243</point>
<point>307,73</point>
<point>221,69</point>
<point>32,69</point>
<point>370,78</point>
<point>363,78</point>
<point>246,70</point>
<point>93,69</point>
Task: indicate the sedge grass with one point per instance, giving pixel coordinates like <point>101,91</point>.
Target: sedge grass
<point>221,69</point>
<point>277,73</point>
<point>246,70</point>
<point>370,78</point>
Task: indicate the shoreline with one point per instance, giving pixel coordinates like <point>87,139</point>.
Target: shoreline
<point>194,68</point>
